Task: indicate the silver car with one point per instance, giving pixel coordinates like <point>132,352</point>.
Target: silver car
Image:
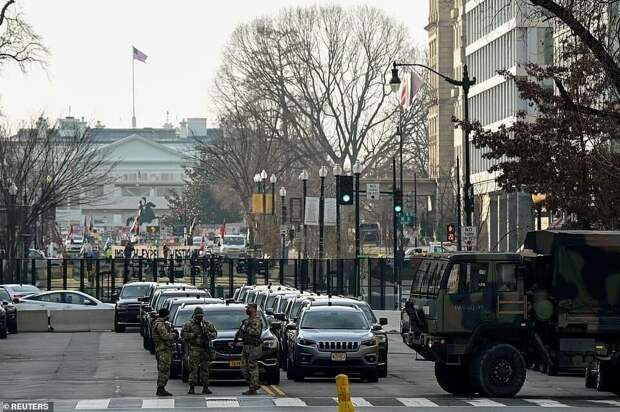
<point>329,340</point>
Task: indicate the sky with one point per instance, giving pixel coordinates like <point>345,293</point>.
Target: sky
<point>89,69</point>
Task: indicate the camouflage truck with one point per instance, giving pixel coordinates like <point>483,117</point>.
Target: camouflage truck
<point>483,318</point>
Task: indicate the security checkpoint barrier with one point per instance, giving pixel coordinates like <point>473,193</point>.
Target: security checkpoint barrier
<point>35,320</point>
<point>81,320</point>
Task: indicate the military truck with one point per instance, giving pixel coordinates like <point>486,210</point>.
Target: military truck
<point>483,318</point>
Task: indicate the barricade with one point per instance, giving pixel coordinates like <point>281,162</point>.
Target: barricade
<point>81,320</point>
<point>35,320</point>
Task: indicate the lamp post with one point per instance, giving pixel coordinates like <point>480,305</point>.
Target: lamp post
<point>337,173</point>
<point>357,171</point>
<point>283,219</point>
<point>273,179</point>
<point>263,179</point>
<point>322,174</point>
<point>539,200</point>
<point>303,176</point>
<point>11,223</point>
<point>465,83</point>
<point>257,181</point>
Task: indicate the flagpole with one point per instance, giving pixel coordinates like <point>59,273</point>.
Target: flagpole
<point>133,90</point>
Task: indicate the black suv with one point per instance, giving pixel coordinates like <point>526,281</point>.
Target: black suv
<point>227,361</point>
<point>127,308</point>
<point>7,299</point>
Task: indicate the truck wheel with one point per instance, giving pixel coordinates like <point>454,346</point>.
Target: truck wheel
<point>499,371</point>
<point>453,379</point>
<point>590,377</point>
<point>602,376</point>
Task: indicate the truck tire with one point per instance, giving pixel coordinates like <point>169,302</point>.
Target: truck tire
<point>454,379</point>
<point>602,376</point>
<point>590,377</point>
<point>499,371</point>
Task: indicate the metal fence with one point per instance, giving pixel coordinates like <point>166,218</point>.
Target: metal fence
<point>103,276</point>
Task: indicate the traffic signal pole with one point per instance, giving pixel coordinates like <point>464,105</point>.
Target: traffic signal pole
<point>395,229</point>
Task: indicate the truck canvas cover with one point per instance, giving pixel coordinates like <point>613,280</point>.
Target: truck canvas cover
<point>586,267</point>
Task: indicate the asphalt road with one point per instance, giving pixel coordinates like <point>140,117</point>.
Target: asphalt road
<point>102,371</point>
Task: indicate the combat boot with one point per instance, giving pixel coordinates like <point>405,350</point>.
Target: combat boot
<point>161,391</point>
<point>250,391</point>
<point>206,391</point>
<point>191,390</point>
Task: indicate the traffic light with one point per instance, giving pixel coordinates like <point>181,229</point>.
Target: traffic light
<point>398,201</point>
<point>345,194</point>
<point>451,231</point>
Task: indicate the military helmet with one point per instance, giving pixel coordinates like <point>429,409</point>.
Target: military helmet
<point>198,311</point>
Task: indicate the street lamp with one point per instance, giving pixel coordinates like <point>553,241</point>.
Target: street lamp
<point>322,174</point>
<point>539,200</point>
<point>465,83</point>
<point>303,176</point>
<point>337,173</point>
<point>11,223</point>
<point>273,179</point>
<point>283,219</point>
<point>357,171</point>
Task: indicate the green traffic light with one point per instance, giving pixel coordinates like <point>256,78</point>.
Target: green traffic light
<point>398,209</point>
<point>346,198</point>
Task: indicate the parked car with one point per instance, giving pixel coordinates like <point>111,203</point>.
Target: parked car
<point>6,300</point>
<point>227,361</point>
<point>20,290</point>
<point>380,334</point>
<point>127,305</point>
<point>64,300</point>
<point>146,303</point>
<point>330,340</point>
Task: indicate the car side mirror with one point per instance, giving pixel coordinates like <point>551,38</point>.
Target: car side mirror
<point>5,303</point>
<point>383,321</point>
<point>269,312</point>
<point>16,300</point>
<point>376,328</point>
<point>291,326</point>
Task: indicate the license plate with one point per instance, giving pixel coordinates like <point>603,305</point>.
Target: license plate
<point>339,356</point>
<point>234,364</point>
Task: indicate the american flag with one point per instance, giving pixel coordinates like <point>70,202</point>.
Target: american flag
<point>138,55</point>
<point>409,88</point>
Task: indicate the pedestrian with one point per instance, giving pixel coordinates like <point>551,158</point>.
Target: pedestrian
<point>127,254</point>
<point>198,333</point>
<point>164,337</point>
<point>86,253</point>
<point>250,333</point>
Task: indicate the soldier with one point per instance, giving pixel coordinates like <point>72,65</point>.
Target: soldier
<point>250,333</point>
<point>198,333</point>
<point>164,337</point>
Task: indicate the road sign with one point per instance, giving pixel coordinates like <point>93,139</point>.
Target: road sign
<point>373,191</point>
<point>469,235</point>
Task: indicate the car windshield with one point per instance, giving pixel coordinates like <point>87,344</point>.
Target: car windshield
<point>134,291</point>
<point>237,241</point>
<point>4,295</point>
<point>221,319</point>
<point>334,320</point>
<point>25,288</point>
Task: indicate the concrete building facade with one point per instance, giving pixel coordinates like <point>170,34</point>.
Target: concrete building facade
<point>492,35</point>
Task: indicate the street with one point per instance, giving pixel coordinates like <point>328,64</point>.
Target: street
<point>106,370</point>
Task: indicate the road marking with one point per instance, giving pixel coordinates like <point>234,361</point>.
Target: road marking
<point>547,403</point>
<point>358,401</point>
<point>416,402</point>
<point>289,402</point>
<point>222,403</point>
<point>267,390</point>
<point>483,402</point>
<point>157,403</point>
<point>277,390</point>
<point>93,404</point>
<point>607,402</point>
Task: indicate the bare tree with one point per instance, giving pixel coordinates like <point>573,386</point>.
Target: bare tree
<point>40,170</point>
<point>19,44</point>
<point>323,70</point>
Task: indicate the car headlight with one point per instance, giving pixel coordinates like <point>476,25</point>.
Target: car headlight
<point>270,343</point>
<point>306,342</point>
<point>381,338</point>
<point>369,342</point>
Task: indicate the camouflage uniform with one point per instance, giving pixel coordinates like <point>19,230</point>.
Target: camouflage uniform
<point>197,333</point>
<point>250,332</point>
<point>164,337</point>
